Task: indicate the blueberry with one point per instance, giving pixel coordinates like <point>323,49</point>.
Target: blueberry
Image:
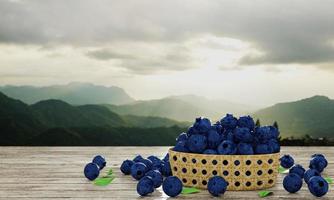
<point>245,149</point>
<point>203,125</point>
<point>243,135</point>
<point>166,158</point>
<point>262,134</point>
<point>297,169</point>
<point>100,161</point>
<point>273,132</point>
<point>217,185</point>
<point>182,137</point>
<point>172,186</point>
<point>218,127</point>
<point>275,145</point>
<point>228,135</point>
<point>91,171</point>
<point>192,131</point>
<point>246,122</point>
<point>263,149</point>
<point>213,139</point>
<point>309,174</point>
<point>138,170</point>
<point>227,147</point>
<point>287,161</point>
<point>318,186</point>
<point>292,182</point>
<point>156,177</point>
<point>166,169</point>
<point>317,154</point>
<point>126,166</point>
<point>148,163</point>
<point>229,122</point>
<point>138,158</point>
<point>181,146</point>
<point>156,162</point>
<point>197,143</point>
<point>210,151</point>
<point>319,163</point>
<point>145,186</point>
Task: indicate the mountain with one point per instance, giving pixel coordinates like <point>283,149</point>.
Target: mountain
<point>181,108</point>
<point>313,116</point>
<point>152,122</point>
<point>73,93</point>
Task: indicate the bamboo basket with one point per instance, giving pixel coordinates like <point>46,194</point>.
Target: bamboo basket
<point>242,172</point>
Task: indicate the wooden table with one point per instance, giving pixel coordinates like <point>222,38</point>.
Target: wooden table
<point>57,173</point>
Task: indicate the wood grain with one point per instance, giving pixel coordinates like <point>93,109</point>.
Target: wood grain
<point>56,173</point>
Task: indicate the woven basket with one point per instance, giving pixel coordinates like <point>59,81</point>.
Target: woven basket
<point>242,172</point>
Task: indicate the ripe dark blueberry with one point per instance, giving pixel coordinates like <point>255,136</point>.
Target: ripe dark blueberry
<point>145,186</point>
<point>262,134</point>
<point>309,174</point>
<point>197,143</point>
<point>210,151</point>
<point>172,186</point>
<point>217,185</point>
<point>138,170</point>
<point>166,158</point>
<point>287,161</point>
<point>275,145</point>
<point>182,137</point>
<point>203,125</point>
<point>263,149</point>
<point>318,162</point>
<point>227,147</point>
<point>229,122</point>
<point>166,169</point>
<point>292,182</point>
<point>181,146</point>
<point>246,122</point>
<point>147,162</point>
<point>213,139</point>
<point>156,162</point>
<point>156,177</point>
<point>297,169</point>
<point>318,186</point>
<point>243,135</point>
<point>91,171</point>
<point>126,166</point>
<point>100,161</point>
<point>138,158</point>
<point>245,149</point>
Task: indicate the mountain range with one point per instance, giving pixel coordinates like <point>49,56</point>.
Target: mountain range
<point>52,121</point>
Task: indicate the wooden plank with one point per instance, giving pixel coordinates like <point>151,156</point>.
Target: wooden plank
<point>56,173</point>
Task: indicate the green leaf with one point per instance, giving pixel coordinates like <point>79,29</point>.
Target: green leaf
<point>329,180</point>
<point>189,190</point>
<point>110,172</point>
<point>265,193</point>
<point>283,170</point>
<point>104,181</point>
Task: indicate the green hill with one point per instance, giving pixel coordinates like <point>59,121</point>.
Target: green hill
<point>181,108</point>
<point>313,116</point>
<point>73,93</point>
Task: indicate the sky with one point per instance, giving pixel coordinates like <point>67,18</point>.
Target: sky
<point>257,52</point>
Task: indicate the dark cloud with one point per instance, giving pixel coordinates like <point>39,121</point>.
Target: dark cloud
<point>284,31</point>
<point>105,54</point>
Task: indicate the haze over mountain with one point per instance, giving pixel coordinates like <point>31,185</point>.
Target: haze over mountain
<point>313,116</point>
<point>182,108</point>
<point>74,93</point>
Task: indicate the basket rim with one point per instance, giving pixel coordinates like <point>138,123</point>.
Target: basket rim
<point>222,155</point>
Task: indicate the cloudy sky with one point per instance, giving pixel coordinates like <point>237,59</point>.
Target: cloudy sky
<point>254,52</point>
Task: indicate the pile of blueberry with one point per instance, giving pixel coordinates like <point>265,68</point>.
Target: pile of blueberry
<point>292,182</point>
<point>228,136</point>
<point>151,171</point>
<point>92,170</point>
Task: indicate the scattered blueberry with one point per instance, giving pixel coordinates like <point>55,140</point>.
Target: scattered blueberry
<point>245,149</point>
<point>138,158</point>
<point>166,158</point>
<point>197,143</point>
<point>138,170</point>
<point>287,161</point>
<point>91,171</point>
<point>100,161</point>
<point>126,166</point>
<point>145,186</point>
<point>309,174</point>
<point>318,162</point>
<point>217,185</point>
<point>297,169</point>
<point>165,169</point>
<point>318,186</point>
<point>156,177</point>
<point>292,182</point>
<point>227,147</point>
<point>172,186</point>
